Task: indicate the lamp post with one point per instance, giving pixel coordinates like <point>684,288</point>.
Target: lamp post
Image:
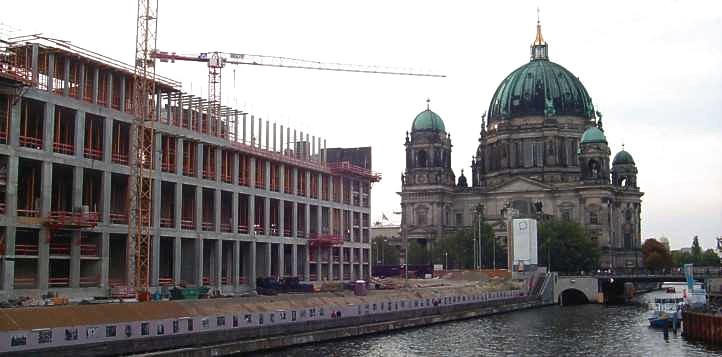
<point>446,260</point>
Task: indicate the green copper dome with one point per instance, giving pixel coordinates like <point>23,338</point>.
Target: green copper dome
<point>593,135</point>
<point>428,120</point>
<point>622,157</point>
<point>540,87</point>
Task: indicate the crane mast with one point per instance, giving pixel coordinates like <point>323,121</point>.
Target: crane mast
<point>140,193</point>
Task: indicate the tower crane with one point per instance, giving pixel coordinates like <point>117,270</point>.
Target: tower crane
<point>144,81</point>
<point>217,60</point>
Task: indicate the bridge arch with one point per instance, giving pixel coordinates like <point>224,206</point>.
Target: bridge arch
<point>572,296</point>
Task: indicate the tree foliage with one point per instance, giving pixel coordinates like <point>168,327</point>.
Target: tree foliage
<point>564,246</point>
<point>698,257</point>
<point>418,253</point>
<point>655,255</point>
<point>384,252</point>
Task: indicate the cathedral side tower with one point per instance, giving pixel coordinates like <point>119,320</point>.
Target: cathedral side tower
<point>427,180</point>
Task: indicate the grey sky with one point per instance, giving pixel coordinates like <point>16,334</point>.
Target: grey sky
<point>652,68</point>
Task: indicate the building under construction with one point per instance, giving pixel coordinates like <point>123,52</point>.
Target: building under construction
<point>233,197</point>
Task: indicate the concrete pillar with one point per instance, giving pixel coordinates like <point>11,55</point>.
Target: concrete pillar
<point>243,129</point>
<point>79,140</point>
<point>267,176</point>
<point>105,202</point>
<point>318,264</point>
<point>280,143</point>
<point>281,253</point>
<point>267,132</point>
<point>109,91</point>
<point>252,216</point>
<point>178,205</point>
<point>76,235</point>
<point>268,259</point>
<point>274,136</point>
<point>252,172</point>
<point>307,217</point>
<point>294,260</point>
<point>96,75</point>
<point>199,161</point>
<point>234,212</point>
<point>235,171</point>
<point>177,260</point>
<point>66,77</point>
<point>294,181</point>
<point>236,272</point>
<point>199,261</point>
<point>281,217</point>
<point>253,138</point>
<point>267,216</point>
<point>45,206</point>
<point>340,263</point>
<point>306,265</point>
<point>282,178</point>
<point>34,62</point>
<point>104,259</point>
<point>218,162</point>
<point>252,265</point>
<point>81,87</point>
<point>217,272</point>
<point>260,132</point>
<point>217,209</point>
<point>48,127</point>
<point>330,263</point>
<point>199,209</point>
<point>294,220</point>
<point>179,156</point>
<point>123,92</point>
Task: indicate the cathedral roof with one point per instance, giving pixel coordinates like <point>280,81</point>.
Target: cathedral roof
<point>428,120</point>
<point>623,157</point>
<point>540,87</point>
<point>593,135</point>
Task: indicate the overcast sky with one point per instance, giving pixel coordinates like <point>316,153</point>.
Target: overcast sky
<point>652,68</point>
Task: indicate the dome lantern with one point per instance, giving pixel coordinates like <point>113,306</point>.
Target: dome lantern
<point>539,48</point>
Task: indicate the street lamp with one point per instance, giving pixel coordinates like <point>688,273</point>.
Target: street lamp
<point>446,260</point>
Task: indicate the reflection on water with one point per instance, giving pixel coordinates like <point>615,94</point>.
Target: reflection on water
<point>590,330</point>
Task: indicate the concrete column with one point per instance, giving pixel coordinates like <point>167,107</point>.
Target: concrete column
<point>252,215</point>
<point>81,87</point>
<point>123,92</point>
<point>155,258</point>
<point>282,178</point>
<point>109,91</point>
<point>260,132</point>
<point>105,203</point>
<point>280,143</point>
<point>219,263</point>
<point>340,263</point>
<point>43,244</point>
<point>267,176</point>
<point>217,209</point>
<point>51,71</point>
<point>76,235</point>
<point>319,220</point>
<point>179,156</point>
<point>330,263</point>
<point>308,183</point>
<point>199,261</point>
<point>294,220</point>
<point>199,161</point>
<point>108,140</point>
<point>177,260</point>
<point>307,217</point>
<point>66,77</point>
<point>178,205</point>
<point>268,259</point>
<point>274,135</point>
<point>104,259</point>
<point>281,217</point>
<point>218,162</point>
<point>235,170</point>
<point>294,181</point>
<point>244,129</point>
<point>199,209</point>
<point>252,171</point>
<point>234,212</point>
<point>318,264</point>
<point>306,266</point>
<point>15,111</point>
<point>48,127</point>
<point>236,272</point>
<point>267,216</point>
<point>267,139</point>
<point>79,140</point>
<point>281,253</point>
<point>252,265</point>
<point>96,75</point>
<point>34,62</point>
<point>294,260</point>
<point>253,138</point>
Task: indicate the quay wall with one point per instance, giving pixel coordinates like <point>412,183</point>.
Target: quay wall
<point>365,325</point>
<point>703,327</point>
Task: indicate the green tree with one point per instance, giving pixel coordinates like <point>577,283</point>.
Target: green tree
<point>709,259</point>
<point>385,253</point>
<point>456,249</point>
<point>564,246</point>
<point>655,255</point>
<point>680,258</point>
<point>696,250</point>
<point>418,253</point>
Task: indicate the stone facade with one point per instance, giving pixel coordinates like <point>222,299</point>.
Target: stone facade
<point>534,158</point>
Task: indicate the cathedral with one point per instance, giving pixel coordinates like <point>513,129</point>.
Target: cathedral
<point>542,152</point>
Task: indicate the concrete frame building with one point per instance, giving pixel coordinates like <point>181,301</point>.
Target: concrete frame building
<point>233,199</point>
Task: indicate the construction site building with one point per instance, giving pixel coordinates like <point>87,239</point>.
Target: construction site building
<point>234,197</point>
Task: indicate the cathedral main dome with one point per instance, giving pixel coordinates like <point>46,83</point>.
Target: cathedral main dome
<point>540,87</point>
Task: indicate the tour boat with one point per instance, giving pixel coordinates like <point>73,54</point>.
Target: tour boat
<point>667,313</point>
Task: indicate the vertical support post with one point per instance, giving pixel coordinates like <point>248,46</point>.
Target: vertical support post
<point>252,274</point>
<point>294,260</point>
<point>76,235</point>
<point>281,255</point>
<point>177,259</point>
<point>236,274</point>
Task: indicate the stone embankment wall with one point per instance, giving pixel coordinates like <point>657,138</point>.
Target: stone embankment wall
<point>703,327</point>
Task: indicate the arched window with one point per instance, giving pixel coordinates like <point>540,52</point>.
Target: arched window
<point>421,158</point>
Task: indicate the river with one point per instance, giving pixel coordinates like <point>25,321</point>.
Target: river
<point>584,330</point>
